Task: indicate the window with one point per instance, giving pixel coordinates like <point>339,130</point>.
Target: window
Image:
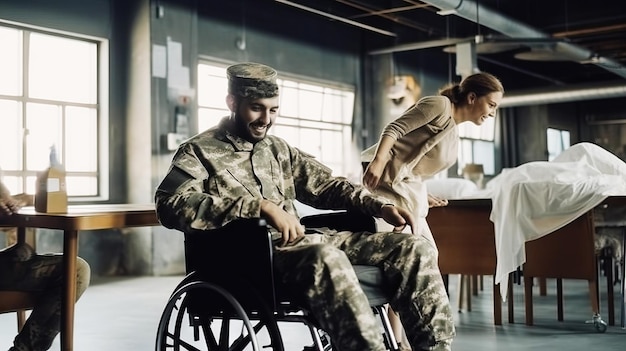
<point>314,117</point>
<point>558,140</point>
<point>49,98</point>
<point>477,145</point>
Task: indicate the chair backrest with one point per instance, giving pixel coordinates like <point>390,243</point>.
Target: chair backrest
<point>17,301</point>
<point>11,301</point>
<point>218,255</point>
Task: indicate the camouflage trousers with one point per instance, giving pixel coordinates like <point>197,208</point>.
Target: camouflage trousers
<point>319,268</point>
<point>23,270</point>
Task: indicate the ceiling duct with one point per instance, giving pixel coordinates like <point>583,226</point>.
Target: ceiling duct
<point>572,93</point>
<point>470,10</point>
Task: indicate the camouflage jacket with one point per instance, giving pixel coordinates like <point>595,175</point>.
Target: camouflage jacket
<point>216,177</point>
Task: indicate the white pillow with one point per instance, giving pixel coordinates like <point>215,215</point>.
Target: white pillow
<point>451,188</point>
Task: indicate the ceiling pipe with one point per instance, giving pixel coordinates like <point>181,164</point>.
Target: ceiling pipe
<point>572,93</point>
<point>470,10</point>
<point>337,18</point>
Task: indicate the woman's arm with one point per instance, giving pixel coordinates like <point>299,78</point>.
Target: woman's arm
<point>375,169</point>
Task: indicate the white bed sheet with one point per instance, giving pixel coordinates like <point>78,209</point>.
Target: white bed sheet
<point>537,198</point>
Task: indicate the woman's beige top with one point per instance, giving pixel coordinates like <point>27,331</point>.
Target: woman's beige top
<point>426,141</point>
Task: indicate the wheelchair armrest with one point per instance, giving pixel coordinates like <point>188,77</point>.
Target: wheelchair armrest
<point>346,220</point>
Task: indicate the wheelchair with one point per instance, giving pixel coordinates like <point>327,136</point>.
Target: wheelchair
<point>230,299</point>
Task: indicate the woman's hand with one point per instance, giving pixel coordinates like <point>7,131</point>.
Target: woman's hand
<point>434,201</point>
<point>373,172</point>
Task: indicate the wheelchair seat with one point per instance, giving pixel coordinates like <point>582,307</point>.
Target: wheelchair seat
<point>225,304</point>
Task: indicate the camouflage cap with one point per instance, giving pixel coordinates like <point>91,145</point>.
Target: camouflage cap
<point>252,80</point>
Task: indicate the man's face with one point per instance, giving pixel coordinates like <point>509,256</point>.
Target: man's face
<point>255,117</point>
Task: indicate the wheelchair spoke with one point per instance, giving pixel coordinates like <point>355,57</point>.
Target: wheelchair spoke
<point>225,332</point>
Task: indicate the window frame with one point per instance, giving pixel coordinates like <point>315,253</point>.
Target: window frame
<point>100,173</point>
<point>556,146</point>
<point>348,165</point>
<point>473,139</point>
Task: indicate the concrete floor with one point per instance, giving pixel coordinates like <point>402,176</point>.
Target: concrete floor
<point>123,313</point>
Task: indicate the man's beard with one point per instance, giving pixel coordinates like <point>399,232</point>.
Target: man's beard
<point>252,132</point>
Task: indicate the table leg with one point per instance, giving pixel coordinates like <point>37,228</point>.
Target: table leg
<point>70,253</point>
<point>497,305</point>
<point>623,278</point>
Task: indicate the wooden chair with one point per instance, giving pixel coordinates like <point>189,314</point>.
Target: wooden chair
<point>17,301</point>
<point>577,258</point>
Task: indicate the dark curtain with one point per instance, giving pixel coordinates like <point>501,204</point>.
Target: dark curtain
<point>506,138</point>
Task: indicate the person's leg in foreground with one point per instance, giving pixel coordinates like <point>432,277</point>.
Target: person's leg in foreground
<point>44,274</point>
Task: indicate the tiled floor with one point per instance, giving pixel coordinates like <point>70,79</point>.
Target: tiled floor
<point>122,314</point>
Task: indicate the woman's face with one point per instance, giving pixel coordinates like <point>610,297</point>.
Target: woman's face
<point>483,107</point>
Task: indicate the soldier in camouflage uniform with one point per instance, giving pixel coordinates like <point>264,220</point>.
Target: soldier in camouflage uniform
<point>21,269</point>
<point>236,170</point>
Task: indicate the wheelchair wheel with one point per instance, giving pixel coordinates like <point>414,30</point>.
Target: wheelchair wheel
<point>183,327</point>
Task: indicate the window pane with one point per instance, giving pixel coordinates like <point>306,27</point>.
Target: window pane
<point>62,69</point>
<point>331,143</point>
<point>310,104</point>
<point>347,106</point>
<point>14,184</point>
<point>290,134</point>
<point>558,140</point>
<point>289,101</point>
<point>10,61</point>
<point>565,138</point>
<point>465,154</point>
<point>310,142</point>
<point>31,181</point>
<point>484,154</point>
<point>486,131</point>
<point>209,117</point>
<point>334,109</point>
<point>212,86</point>
<point>81,139</point>
<point>11,122</point>
<point>43,123</point>
<point>81,186</point>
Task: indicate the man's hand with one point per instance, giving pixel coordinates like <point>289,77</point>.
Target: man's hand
<point>285,223</point>
<point>398,217</point>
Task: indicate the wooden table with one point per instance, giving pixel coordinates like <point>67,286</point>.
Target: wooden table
<point>465,238</point>
<point>81,217</point>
